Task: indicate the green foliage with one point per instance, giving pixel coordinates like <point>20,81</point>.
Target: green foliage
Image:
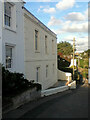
<point>84,63</point>
<point>65,48</point>
<point>72,67</point>
<point>15,83</point>
<point>65,69</point>
<point>62,62</point>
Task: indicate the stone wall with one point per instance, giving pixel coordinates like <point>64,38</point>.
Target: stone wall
<point>23,98</point>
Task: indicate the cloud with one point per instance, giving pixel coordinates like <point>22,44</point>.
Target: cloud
<point>58,31</point>
<point>40,8</point>
<point>76,27</point>
<point>75,16</point>
<point>65,4</point>
<point>53,21</point>
<point>81,42</point>
<point>49,10</point>
<point>68,27</point>
<point>77,6</point>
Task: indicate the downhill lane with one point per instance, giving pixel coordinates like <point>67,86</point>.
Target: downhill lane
<point>72,105</point>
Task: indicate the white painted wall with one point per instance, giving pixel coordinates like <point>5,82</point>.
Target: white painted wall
<point>64,75</point>
<point>0,32</point>
<point>75,64</point>
<point>14,37</point>
<point>33,59</point>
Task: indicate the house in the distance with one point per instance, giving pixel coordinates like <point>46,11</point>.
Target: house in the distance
<point>40,51</point>
<point>89,70</point>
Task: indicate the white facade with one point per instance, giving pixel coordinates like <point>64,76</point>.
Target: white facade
<point>0,31</point>
<point>11,36</point>
<point>75,64</point>
<point>40,51</point>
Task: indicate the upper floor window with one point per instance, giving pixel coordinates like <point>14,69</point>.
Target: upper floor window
<point>46,44</point>
<point>7,14</point>
<point>36,40</point>
<point>53,68</point>
<point>53,50</point>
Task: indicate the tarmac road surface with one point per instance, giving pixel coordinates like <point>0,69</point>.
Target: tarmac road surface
<point>71,105</point>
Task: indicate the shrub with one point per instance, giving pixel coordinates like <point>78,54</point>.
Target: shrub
<point>15,83</point>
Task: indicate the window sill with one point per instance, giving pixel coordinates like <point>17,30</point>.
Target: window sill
<point>37,51</point>
<point>47,78</point>
<point>10,29</point>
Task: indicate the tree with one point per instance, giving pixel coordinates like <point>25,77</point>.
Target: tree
<point>65,48</point>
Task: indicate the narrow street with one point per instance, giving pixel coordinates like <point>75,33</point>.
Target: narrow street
<point>74,104</point>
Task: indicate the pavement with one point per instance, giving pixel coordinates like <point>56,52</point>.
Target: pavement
<point>59,83</point>
<point>68,104</point>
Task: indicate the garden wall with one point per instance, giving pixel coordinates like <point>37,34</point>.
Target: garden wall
<point>23,98</point>
<point>64,75</point>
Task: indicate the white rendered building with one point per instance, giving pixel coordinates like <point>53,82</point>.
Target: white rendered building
<point>26,45</point>
<point>11,36</point>
<point>40,51</point>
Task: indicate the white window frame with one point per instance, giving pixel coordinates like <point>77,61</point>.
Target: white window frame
<point>11,64</point>
<point>36,43</point>
<point>53,47</point>
<point>53,68</point>
<point>46,45</point>
<point>47,70</point>
<point>12,26</point>
<point>7,14</point>
<point>37,73</point>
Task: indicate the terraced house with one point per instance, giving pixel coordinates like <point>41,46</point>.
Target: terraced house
<point>12,39</point>
<point>27,45</point>
<point>40,51</point>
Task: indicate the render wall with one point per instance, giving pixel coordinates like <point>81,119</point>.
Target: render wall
<point>14,37</point>
<point>0,32</point>
<point>63,75</point>
<point>39,59</point>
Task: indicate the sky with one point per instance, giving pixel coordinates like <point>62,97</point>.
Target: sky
<point>68,19</point>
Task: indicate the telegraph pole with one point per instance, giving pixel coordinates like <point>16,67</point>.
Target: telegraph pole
<point>73,55</point>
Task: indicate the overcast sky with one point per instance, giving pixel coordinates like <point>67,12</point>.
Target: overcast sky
<point>67,18</point>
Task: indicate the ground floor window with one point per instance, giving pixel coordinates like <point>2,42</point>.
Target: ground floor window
<point>9,57</point>
<point>37,74</point>
<point>53,68</point>
<point>46,71</point>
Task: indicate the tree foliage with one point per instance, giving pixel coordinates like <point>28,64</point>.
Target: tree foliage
<point>65,48</point>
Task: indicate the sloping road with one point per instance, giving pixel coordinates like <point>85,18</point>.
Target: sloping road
<point>72,105</point>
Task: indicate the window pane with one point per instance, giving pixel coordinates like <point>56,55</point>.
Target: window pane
<point>46,70</point>
<point>7,8</point>
<point>7,13</point>
<point>53,68</point>
<point>52,46</point>
<point>36,40</point>
<point>46,44</point>
<point>37,74</point>
<point>7,20</point>
<point>8,57</point>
